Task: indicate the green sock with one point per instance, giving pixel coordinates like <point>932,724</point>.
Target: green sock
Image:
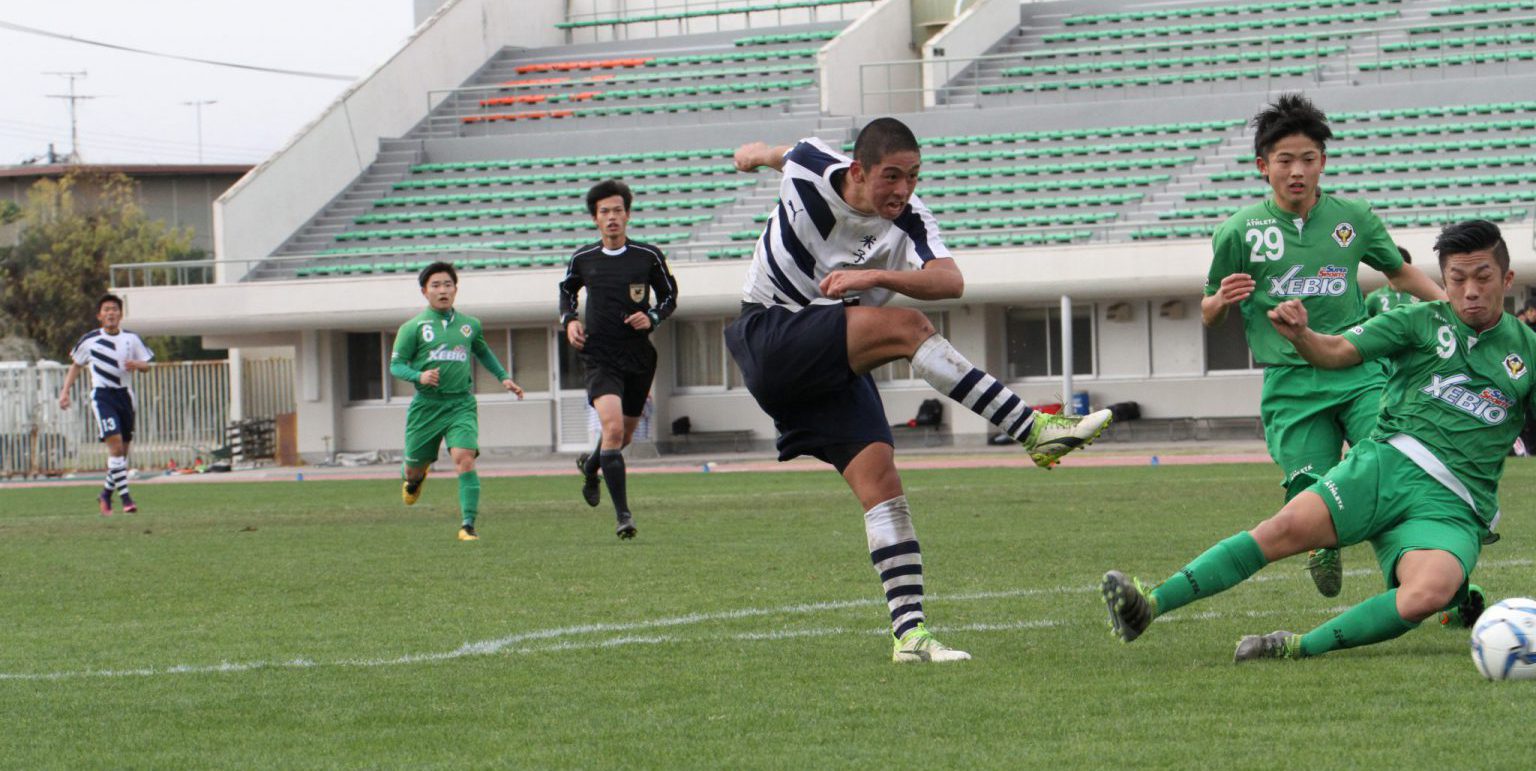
<point>469,496</point>
<point>1373,621</point>
<point>1220,568</point>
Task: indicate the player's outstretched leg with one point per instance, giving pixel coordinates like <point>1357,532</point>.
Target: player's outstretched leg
<point>1046,437</point>
<point>1326,566</point>
<point>1275,645</point>
<point>591,485</point>
<point>1133,605</point>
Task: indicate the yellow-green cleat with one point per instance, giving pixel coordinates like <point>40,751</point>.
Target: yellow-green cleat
<point>467,533</point>
<point>1275,645</point>
<point>919,646</point>
<point>1131,605</point>
<point>1326,566</point>
<point>411,493</point>
<point>1053,436</point>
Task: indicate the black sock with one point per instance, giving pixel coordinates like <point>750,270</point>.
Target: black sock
<point>613,475</point>
<point>594,458</point>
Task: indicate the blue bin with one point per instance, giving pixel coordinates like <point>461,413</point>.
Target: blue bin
<point>1080,403</point>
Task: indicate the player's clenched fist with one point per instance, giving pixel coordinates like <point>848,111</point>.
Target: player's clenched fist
<point>1289,318</point>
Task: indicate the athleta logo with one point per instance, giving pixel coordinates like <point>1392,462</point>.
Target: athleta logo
<point>1490,406</point>
<point>456,353</point>
<point>1330,280</point>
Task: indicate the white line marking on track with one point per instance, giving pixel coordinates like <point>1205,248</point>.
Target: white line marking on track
<point>515,643</point>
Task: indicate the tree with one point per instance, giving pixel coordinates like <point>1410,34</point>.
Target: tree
<point>73,230</point>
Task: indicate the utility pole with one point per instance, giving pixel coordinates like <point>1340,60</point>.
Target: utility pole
<point>198,105</point>
<point>74,126</point>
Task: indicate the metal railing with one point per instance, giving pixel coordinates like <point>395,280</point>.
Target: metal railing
<point>182,410</point>
<point>742,10</point>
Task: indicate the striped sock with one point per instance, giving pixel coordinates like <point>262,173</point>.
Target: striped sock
<point>897,558</point>
<point>117,476</point>
<point>950,373</point>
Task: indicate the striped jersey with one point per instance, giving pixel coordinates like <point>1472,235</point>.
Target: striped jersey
<point>107,354</point>
<point>813,231</point>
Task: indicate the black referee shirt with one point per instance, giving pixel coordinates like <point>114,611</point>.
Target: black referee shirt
<point>618,284</point>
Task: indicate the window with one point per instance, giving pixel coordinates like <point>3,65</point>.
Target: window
<point>1226,346</point>
<point>573,374</point>
<point>699,353</point>
<point>902,369</point>
<point>365,366</point>
<point>1033,339</point>
<point>485,382</point>
<point>530,358</point>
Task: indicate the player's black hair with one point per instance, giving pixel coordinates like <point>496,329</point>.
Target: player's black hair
<point>608,188</point>
<point>437,267</point>
<point>109,298</point>
<point>1470,236</point>
<point>1407,258</point>
<point>880,138</point>
<point>1288,115</point>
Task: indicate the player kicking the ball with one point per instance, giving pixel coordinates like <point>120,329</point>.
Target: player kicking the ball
<point>846,236</point>
<point>432,351</point>
<point>1423,489</point>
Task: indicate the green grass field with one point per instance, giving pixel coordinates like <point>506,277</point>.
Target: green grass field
<point>321,624</point>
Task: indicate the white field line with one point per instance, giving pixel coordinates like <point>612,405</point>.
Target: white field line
<point>516,644</point>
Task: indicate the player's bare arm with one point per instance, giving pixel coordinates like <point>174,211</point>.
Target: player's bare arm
<point>1324,351</point>
<point>940,279</point>
<point>1410,279</point>
<point>1233,290</point>
<point>512,386</point>
<point>69,381</point>
<point>755,155</point>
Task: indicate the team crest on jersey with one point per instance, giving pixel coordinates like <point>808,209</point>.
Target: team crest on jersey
<point>637,293</point>
<point>1344,234</point>
<point>1514,365</point>
<point>466,330</point>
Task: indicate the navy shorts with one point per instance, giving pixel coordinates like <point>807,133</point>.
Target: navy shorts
<point>796,366</point>
<point>114,412</point>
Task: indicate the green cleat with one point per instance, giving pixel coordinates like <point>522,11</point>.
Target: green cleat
<point>1052,436</point>
<point>1131,607</point>
<point>1466,612</point>
<point>919,646</point>
<point>1327,569</point>
<point>1275,645</point>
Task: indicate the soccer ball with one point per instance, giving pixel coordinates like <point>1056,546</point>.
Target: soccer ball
<point>1504,640</point>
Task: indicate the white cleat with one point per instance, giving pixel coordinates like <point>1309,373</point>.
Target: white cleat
<point>919,646</point>
<point>1053,436</point>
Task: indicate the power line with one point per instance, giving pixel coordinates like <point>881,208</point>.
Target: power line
<point>274,70</point>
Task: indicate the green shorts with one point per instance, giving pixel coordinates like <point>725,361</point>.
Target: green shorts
<point>1309,413</point>
<point>430,420</point>
<point>1379,495</point>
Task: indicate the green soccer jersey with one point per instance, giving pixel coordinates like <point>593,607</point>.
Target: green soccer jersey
<point>1316,260</point>
<point>1461,396</point>
<point>1385,299</point>
<point>444,342</point>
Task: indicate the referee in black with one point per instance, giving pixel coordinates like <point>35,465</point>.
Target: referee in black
<point>620,276</point>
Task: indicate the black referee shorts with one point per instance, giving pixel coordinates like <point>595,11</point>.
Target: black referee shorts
<point>630,381</point>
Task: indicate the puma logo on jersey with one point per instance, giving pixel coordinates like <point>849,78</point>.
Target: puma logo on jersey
<point>1328,281</point>
<point>1489,406</point>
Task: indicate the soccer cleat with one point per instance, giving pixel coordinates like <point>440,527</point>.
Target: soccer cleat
<point>1130,603</point>
<point>1327,569</point>
<point>1465,614</point>
<point>129,507</point>
<point>591,491</point>
<point>467,533</point>
<point>918,645</point>
<point>1275,645</point>
<point>105,501</point>
<point>1052,436</point>
<point>626,528</point>
<point>411,493</point>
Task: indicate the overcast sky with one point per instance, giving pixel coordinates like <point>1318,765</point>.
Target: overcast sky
<point>138,115</point>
